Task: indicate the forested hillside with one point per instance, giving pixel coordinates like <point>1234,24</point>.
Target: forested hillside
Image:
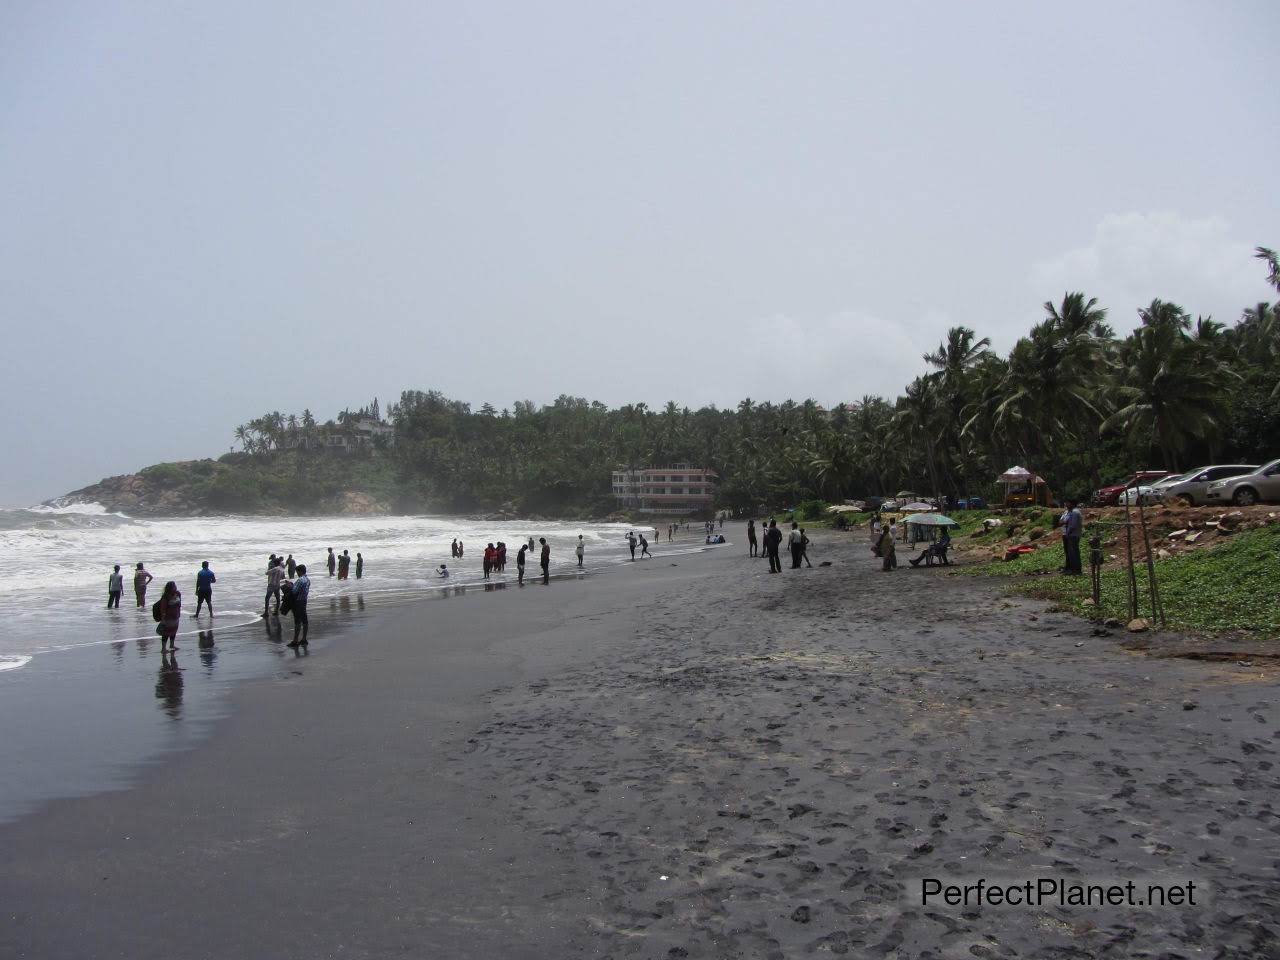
<point>1071,400</point>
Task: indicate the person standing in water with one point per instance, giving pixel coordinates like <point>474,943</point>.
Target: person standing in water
<point>291,566</point>
<point>545,560</point>
<point>751,538</point>
<point>359,565</point>
<point>344,566</point>
<point>204,588</point>
<point>140,580</point>
<point>487,559</point>
<point>502,557</point>
<point>301,591</point>
<point>579,549</point>
<point>332,561</point>
<point>520,562</point>
<point>115,587</point>
<point>453,549</point>
<point>170,612</point>
<point>275,573</point>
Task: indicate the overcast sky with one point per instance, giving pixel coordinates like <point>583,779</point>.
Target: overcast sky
<point>212,210</point>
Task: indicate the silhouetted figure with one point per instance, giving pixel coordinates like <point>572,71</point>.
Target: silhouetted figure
<point>291,566</point>
<point>332,561</point>
<point>794,543</point>
<point>579,550</point>
<point>344,566</point>
<point>520,563</point>
<point>772,541</point>
<point>751,538</point>
<point>359,565</point>
<point>545,560</point>
<point>644,548</point>
<point>631,542</point>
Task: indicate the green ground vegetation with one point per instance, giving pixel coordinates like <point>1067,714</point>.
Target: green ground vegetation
<point>1231,586</point>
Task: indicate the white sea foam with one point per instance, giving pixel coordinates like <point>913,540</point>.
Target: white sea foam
<point>58,558</point>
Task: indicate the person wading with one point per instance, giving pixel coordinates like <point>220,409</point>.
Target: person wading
<point>115,586</point>
<point>204,588</point>
<point>545,560</point>
<point>140,580</point>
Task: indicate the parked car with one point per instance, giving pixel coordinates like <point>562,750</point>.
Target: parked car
<point>1145,494</point>
<point>1192,487</point>
<point>1110,496</point>
<point>1248,488</point>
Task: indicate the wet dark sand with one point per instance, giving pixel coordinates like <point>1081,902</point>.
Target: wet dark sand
<point>514,774</point>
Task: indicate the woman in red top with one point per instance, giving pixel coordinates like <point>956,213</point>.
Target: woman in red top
<point>490,557</point>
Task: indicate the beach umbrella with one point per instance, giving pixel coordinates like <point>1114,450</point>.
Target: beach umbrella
<point>919,507</point>
<point>930,520</point>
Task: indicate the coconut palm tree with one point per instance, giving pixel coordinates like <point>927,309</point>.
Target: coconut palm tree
<point>1171,391</point>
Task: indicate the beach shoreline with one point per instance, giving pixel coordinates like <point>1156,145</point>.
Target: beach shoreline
<point>692,759</point>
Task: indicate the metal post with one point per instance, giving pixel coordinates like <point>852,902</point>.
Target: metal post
<point>1133,577</point>
<point>1157,609</point>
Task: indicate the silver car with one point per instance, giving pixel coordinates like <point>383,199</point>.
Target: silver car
<point>1249,488</point>
<point>1192,488</point>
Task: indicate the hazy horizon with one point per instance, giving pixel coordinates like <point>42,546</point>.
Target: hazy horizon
<point>217,212</point>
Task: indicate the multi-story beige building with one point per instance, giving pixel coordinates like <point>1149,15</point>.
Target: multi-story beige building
<point>675,490</point>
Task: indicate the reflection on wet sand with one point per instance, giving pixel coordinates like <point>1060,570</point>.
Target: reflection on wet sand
<point>169,685</point>
<point>207,653</point>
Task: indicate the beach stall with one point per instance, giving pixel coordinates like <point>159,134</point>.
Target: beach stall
<point>1022,488</point>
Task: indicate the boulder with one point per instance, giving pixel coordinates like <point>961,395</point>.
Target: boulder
<point>1137,625</point>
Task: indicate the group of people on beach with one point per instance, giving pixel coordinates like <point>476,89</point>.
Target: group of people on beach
<point>341,565</point>
<point>770,544</point>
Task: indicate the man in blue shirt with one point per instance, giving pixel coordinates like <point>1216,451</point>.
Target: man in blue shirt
<point>204,589</point>
<point>301,591</point>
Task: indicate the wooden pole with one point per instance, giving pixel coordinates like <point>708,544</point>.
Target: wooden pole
<point>1157,609</point>
<point>1133,577</point>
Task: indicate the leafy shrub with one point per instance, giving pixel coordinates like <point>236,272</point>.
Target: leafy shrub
<point>811,510</point>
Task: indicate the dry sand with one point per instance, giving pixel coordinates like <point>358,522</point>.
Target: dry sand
<point>702,761</point>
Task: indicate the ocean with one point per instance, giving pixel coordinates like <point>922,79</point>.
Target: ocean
<point>57,560</point>
<point>87,701</point>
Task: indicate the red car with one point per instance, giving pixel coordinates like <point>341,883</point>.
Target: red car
<point>1110,496</point>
